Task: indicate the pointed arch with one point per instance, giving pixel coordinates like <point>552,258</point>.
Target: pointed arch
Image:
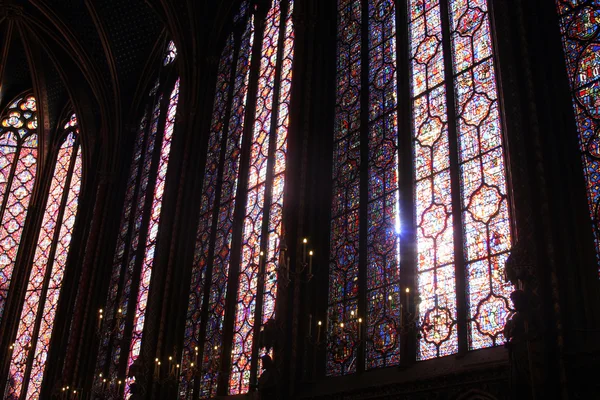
<point>18,168</point>
<point>35,329</point>
<point>580,30</point>
<point>124,314</point>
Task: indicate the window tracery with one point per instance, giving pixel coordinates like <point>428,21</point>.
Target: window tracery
<point>18,167</point>
<point>579,25</point>
<point>460,191</point>
<point>258,238</point>
<point>124,314</point>
<point>35,329</point>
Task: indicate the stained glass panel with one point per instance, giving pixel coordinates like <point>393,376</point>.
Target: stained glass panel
<point>433,197</point>
<point>118,310</point>
<point>266,173</point>
<point>580,27</point>
<point>486,221</point>
<point>47,272</point>
<point>251,234</point>
<point>18,166</point>
<point>150,247</point>
<point>201,271</point>
<point>56,277</point>
<point>111,312</point>
<point>342,343</point>
<point>383,221</point>
<point>171,53</point>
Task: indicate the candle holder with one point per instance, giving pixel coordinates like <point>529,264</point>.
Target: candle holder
<point>408,320</point>
<point>348,331</point>
<point>68,392</point>
<point>102,332</point>
<point>304,264</point>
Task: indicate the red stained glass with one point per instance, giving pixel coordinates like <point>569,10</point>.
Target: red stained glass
<point>18,166</point>
<point>211,270</point>
<point>150,247</point>
<point>486,220</point>
<point>45,281</point>
<point>433,197</point>
<point>262,157</point>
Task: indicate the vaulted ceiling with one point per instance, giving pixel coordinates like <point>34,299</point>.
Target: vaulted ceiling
<point>95,54</point>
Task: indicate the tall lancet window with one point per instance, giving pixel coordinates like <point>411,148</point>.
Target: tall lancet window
<point>462,211</point>
<point>30,349</point>
<point>364,268</point>
<point>18,166</point>
<point>257,238</point>
<point>580,28</point>
<point>459,188</point>
<point>125,311</point>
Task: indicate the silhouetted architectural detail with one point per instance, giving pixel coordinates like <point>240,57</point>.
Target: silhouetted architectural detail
<point>299,199</point>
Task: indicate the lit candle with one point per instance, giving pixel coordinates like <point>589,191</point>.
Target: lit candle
<point>319,331</point>
<point>119,386</point>
<point>310,262</point>
<point>170,363</point>
<point>100,317</point>
<point>156,368</point>
<point>309,325</point>
<point>359,329</point>
<point>391,301</point>
<point>407,297</point>
<point>304,242</point>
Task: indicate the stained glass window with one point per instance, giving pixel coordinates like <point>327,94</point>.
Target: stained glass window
<point>261,229</point>
<point>580,27</point>
<point>171,53</point>
<point>460,191</point>
<point>124,313</point>
<point>18,166</point>
<point>30,349</point>
<point>379,235</point>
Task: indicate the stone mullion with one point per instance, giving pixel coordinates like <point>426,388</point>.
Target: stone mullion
<point>459,257</point>
<point>408,254</point>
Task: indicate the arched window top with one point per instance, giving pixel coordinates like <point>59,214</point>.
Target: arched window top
<point>18,121</point>
<point>30,349</point>
<point>72,124</point>
<point>171,53</point>
<point>18,166</point>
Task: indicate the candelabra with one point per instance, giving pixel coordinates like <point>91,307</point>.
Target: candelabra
<point>340,331</point>
<point>101,324</point>
<point>69,393</point>
<point>305,264</point>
